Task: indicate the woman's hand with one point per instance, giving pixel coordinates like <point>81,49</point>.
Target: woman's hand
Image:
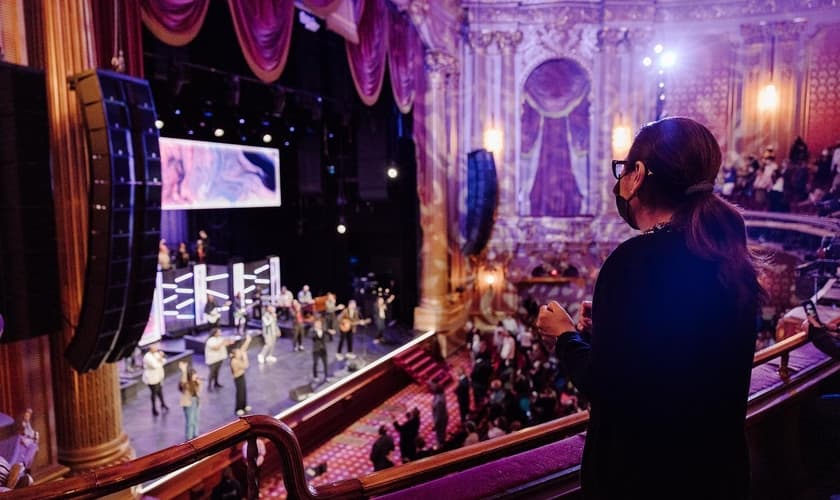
<point>584,322</point>
<point>554,321</point>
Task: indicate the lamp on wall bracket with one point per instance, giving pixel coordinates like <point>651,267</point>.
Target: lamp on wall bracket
<point>768,96</point>
<point>621,137</point>
<point>494,139</point>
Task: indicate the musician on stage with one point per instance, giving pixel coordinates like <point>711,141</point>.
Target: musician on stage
<point>319,349</point>
<point>306,300</point>
<point>211,311</point>
<point>297,326</point>
<point>240,313</point>
<point>349,319</point>
<point>330,308</point>
<point>284,302</point>
<point>380,315</point>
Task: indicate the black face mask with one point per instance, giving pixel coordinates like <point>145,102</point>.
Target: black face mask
<point>623,207</point>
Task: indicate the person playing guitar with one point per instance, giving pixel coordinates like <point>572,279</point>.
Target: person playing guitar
<point>349,319</point>
<point>213,311</point>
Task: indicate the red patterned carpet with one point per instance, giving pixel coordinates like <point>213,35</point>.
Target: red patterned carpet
<point>347,454</point>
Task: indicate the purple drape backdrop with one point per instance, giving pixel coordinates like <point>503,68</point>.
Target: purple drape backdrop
<point>367,58</point>
<point>405,53</point>
<point>556,104</point>
<point>264,30</point>
<point>176,22</point>
<point>322,7</point>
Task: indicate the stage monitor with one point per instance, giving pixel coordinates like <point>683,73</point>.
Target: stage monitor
<point>200,175</point>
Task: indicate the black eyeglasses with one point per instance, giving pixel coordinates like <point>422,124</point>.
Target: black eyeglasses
<point>620,168</point>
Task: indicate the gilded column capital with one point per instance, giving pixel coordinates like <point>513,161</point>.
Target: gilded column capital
<point>787,31</point>
<point>440,64</point>
<point>418,10</point>
<point>508,41</point>
<point>479,40</point>
<point>608,38</point>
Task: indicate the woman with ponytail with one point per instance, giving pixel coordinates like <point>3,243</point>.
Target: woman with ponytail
<point>666,356</point>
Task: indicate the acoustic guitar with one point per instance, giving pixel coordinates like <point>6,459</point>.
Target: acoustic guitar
<point>346,324</point>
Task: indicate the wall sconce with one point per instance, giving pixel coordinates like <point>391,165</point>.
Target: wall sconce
<point>490,277</point>
<point>768,98</point>
<point>494,140</point>
<point>621,141</point>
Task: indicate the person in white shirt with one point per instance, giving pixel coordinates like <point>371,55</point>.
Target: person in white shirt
<point>507,351</point>
<point>153,374</point>
<point>284,302</point>
<point>269,320</point>
<point>215,352</point>
<point>306,300</point>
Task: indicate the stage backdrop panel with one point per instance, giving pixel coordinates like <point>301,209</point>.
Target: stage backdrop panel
<point>199,174</point>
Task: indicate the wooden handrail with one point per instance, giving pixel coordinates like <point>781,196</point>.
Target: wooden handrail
<point>413,473</point>
<point>780,348</point>
<point>123,476</point>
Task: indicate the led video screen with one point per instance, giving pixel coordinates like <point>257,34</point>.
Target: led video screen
<point>199,174</point>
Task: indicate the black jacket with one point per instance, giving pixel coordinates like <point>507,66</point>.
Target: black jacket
<point>667,371</point>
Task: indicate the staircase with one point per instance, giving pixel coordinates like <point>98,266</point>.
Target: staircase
<point>423,368</point>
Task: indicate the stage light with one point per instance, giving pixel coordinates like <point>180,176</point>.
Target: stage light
<point>668,59</point>
<point>158,124</point>
<point>202,124</point>
<point>190,132</point>
<point>243,138</point>
<point>661,97</point>
<point>490,279</point>
<point>661,85</point>
<point>331,169</point>
<point>768,98</point>
<point>493,140</point>
<point>393,173</point>
<point>341,228</point>
<point>291,129</point>
<point>647,61</point>
<point>266,138</point>
<point>330,135</point>
<point>219,132</point>
<point>286,143</point>
<point>658,48</point>
<point>177,112</point>
<point>242,121</point>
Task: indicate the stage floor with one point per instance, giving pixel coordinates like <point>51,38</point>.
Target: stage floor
<point>268,387</point>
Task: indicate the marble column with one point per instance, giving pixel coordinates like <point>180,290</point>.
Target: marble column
<point>87,406</point>
<point>435,311</point>
<point>506,164</point>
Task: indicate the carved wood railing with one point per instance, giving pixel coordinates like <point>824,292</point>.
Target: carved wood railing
<point>121,477</point>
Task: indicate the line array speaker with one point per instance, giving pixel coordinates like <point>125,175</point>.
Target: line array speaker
<point>482,196</point>
<point>124,216</point>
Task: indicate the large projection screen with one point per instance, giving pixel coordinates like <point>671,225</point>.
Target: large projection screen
<point>199,174</point>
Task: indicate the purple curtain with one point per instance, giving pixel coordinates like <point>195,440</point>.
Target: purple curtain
<point>405,52</point>
<point>264,30</point>
<point>322,8</point>
<point>367,58</point>
<point>556,104</point>
<point>175,22</point>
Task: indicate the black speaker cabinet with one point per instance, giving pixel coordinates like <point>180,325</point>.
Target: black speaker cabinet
<point>300,392</point>
<point>482,196</point>
<point>124,216</point>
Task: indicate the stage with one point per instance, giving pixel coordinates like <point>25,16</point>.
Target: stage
<point>268,385</point>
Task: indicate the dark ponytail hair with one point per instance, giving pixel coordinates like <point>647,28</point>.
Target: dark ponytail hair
<point>684,158</point>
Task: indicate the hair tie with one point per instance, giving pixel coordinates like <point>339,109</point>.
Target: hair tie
<point>700,187</point>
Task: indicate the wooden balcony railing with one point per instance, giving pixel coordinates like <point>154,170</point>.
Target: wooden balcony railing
<point>123,476</point>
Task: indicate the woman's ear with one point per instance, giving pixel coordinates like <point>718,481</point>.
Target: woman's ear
<point>639,173</point>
